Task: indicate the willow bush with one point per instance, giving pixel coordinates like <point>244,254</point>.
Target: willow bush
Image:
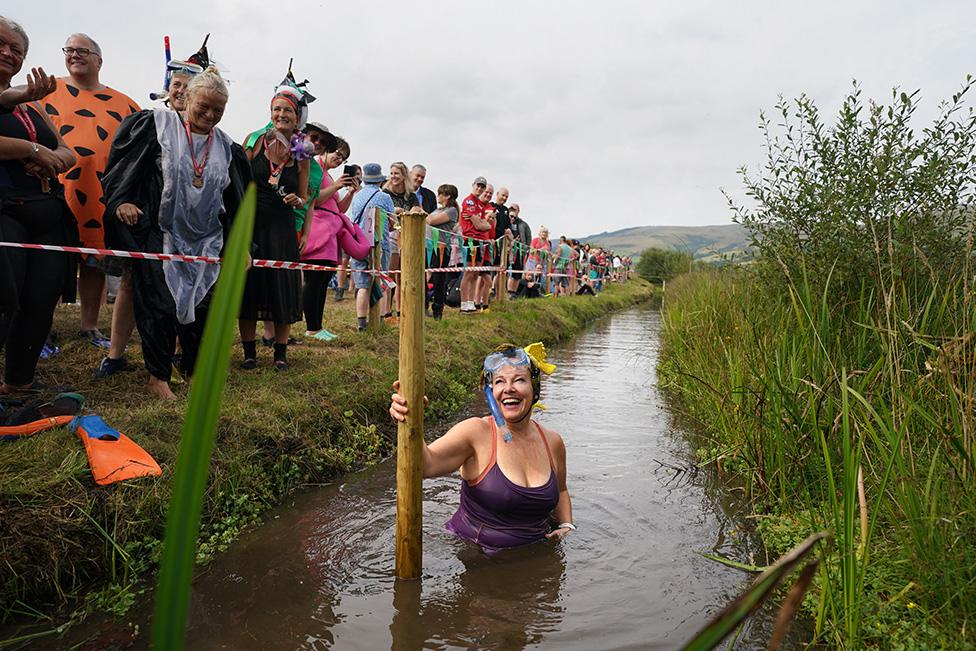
<point>836,374</point>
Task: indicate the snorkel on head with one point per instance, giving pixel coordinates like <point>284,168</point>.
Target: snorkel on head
<point>191,66</point>
<point>533,356</point>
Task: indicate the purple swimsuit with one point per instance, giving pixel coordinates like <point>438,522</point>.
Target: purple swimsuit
<point>497,513</point>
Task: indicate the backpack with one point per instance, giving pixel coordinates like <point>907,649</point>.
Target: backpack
<point>453,294</point>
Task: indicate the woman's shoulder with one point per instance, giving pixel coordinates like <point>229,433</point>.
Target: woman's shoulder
<point>553,437</point>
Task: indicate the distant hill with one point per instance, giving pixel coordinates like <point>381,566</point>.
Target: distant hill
<point>703,242</point>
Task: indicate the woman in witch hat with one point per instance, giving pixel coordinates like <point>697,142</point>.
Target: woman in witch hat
<point>280,166</point>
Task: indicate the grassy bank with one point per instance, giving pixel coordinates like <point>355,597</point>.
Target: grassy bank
<point>62,537</point>
<point>853,416</point>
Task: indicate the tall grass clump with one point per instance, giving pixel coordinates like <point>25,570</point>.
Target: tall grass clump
<point>835,375</point>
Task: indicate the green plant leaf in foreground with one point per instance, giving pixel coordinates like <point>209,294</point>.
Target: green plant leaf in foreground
<point>733,614</point>
<point>196,445</point>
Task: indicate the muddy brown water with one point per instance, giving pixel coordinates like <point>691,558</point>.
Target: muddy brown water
<point>319,573</point>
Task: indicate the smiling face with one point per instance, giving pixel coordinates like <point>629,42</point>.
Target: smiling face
<point>396,177</point>
<point>486,193</point>
<point>418,175</point>
<point>80,65</point>
<point>512,388</point>
<point>12,53</point>
<point>177,91</point>
<point>204,108</point>
<point>284,117</point>
<point>501,197</point>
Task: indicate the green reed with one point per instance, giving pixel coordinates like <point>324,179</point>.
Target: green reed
<point>852,416</point>
<point>196,445</point>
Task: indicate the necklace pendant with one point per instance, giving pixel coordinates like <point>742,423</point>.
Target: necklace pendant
<point>273,180</point>
<point>198,180</point>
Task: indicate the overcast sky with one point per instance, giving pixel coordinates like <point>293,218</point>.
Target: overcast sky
<point>596,115</point>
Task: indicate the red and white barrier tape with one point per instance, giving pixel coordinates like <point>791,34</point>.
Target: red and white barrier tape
<point>264,264</point>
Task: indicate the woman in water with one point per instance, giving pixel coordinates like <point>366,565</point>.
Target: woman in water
<point>513,470</point>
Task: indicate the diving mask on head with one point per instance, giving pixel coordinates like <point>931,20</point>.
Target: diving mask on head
<point>532,356</point>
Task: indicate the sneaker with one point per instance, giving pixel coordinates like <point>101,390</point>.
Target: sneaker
<point>95,338</point>
<point>49,350</point>
<point>325,335</point>
<point>110,366</point>
<point>249,364</point>
<point>339,294</point>
<point>392,320</point>
<point>280,365</point>
<point>268,343</point>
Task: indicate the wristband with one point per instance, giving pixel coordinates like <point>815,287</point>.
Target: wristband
<point>567,525</point>
<point>34,150</point>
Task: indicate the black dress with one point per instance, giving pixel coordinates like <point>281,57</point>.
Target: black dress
<point>273,294</point>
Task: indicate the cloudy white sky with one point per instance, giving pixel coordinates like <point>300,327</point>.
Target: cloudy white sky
<point>597,115</point>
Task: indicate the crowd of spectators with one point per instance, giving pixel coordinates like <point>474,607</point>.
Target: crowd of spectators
<point>80,162</point>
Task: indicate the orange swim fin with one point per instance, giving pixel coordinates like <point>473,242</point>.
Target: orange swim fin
<point>111,454</point>
<point>14,432</point>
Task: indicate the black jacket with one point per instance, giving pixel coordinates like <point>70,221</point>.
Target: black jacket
<point>429,200</point>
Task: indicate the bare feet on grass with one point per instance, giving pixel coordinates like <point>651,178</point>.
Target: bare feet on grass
<point>160,389</point>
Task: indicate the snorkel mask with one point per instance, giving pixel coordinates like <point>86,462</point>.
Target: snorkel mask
<point>533,356</point>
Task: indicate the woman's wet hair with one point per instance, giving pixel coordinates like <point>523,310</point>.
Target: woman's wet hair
<point>15,27</point>
<point>209,80</point>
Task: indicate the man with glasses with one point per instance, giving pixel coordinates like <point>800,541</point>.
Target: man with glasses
<point>87,114</point>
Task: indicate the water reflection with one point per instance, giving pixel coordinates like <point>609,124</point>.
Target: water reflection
<point>508,601</point>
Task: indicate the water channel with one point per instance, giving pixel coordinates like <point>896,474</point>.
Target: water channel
<point>319,573</point>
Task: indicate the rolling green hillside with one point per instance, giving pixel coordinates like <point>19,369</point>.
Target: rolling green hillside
<point>703,242</point>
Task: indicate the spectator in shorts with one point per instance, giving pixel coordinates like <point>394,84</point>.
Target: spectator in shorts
<point>87,113</point>
<point>371,196</point>
<point>489,248</point>
<point>473,225</point>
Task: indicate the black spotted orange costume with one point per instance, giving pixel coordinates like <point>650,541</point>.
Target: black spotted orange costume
<point>87,120</point>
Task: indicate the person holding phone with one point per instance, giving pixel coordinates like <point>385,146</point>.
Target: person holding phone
<point>327,230</point>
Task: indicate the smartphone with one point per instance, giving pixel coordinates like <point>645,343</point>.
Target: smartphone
<point>349,170</point>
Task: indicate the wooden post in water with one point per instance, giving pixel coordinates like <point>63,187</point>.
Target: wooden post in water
<point>501,281</point>
<point>410,434</point>
<point>376,260</point>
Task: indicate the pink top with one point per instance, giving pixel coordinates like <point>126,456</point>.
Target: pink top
<point>331,231</point>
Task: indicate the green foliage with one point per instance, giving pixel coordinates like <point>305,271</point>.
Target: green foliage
<point>867,197</point>
<point>656,265</point>
<point>199,433</point>
<point>798,395</point>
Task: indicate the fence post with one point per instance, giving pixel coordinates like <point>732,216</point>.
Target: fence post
<point>376,260</point>
<point>501,281</point>
<point>410,434</point>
